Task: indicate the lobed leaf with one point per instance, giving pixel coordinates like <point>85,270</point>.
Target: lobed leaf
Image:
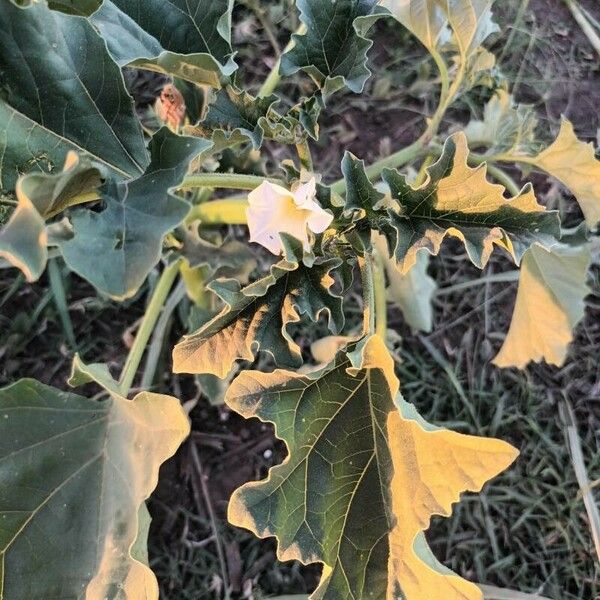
<point>574,164</point>
<point>74,473</point>
<point>85,84</point>
<point>333,51</point>
<point>187,39</point>
<point>116,248</point>
<point>550,303</point>
<point>256,317</point>
<point>363,476</point>
<point>458,200</point>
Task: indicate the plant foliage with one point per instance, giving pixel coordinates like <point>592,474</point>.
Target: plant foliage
<point>132,207</point>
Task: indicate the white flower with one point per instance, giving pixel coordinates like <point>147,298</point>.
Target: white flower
<point>273,210</point>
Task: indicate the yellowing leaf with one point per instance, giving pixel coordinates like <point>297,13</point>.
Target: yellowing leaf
<point>458,200</point>
<point>363,476</point>
<point>257,316</point>
<point>574,164</point>
<point>74,473</point>
<point>23,240</point>
<point>550,302</point>
<point>470,21</point>
<point>51,193</point>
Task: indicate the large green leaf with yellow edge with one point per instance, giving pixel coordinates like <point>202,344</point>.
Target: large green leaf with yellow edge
<point>74,473</point>
<point>116,248</point>
<point>363,477</point>
<point>189,39</point>
<point>61,91</point>
<point>550,302</point>
<point>458,200</point>
<point>258,315</point>
<point>574,164</point>
<point>333,50</point>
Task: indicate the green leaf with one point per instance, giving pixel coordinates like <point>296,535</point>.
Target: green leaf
<point>95,372</point>
<point>256,317</point>
<point>458,200</point>
<point>23,240</point>
<point>189,39</point>
<point>83,8</point>
<point>550,303</point>
<point>333,51</point>
<point>505,127</point>
<point>411,292</point>
<point>57,97</point>
<point>116,248</point>
<point>363,476</point>
<point>51,193</point>
<point>73,475</point>
<point>230,258</point>
<point>236,117</point>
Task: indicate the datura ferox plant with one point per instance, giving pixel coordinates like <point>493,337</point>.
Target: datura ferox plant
<point>89,185</point>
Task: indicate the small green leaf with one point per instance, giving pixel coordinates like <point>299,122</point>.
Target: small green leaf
<point>116,248</point>
<point>74,474</point>
<point>411,292</point>
<point>85,107</point>
<point>550,303</point>
<point>333,51</point>
<point>256,317</point>
<point>363,476</point>
<point>230,258</point>
<point>235,116</point>
<point>188,39</point>
<point>51,193</point>
<point>505,127</point>
<point>95,372</point>
<point>458,200</point>
<point>23,240</point>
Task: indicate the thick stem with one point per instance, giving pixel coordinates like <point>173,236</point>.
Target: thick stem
<point>380,296</point>
<point>368,291</point>
<point>158,337</point>
<point>153,310</point>
<point>273,79</point>
<point>230,181</point>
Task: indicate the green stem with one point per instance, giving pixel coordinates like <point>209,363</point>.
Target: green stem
<point>230,181</point>
<point>272,81</point>
<point>158,336</point>
<point>380,296</point>
<point>393,161</point>
<point>153,310</point>
<point>303,150</point>
<point>368,290</point>
<point>8,202</point>
<point>229,211</point>
<point>585,25</point>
